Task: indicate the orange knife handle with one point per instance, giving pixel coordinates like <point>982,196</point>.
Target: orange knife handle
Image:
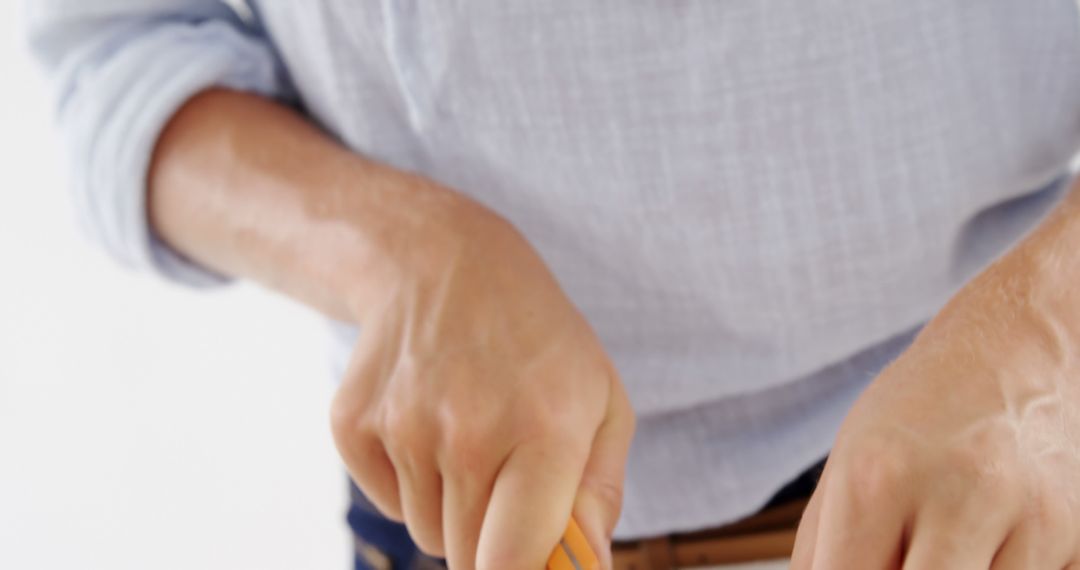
<point>573,551</point>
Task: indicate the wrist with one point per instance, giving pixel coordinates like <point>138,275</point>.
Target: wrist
<point>432,232</point>
<point>1019,318</point>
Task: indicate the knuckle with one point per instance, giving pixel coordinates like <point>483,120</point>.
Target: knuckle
<point>346,422</point>
<point>543,419</point>
<point>465,443</point>
<point>875,472</point>
<point>995,480</point>
<point>544,425</point>
<point>989,455</point>
<point>398,426</point>
<point>571,444</point>
<point>987,475</point>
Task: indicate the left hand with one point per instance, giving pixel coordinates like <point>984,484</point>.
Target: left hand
<point>965,452</point>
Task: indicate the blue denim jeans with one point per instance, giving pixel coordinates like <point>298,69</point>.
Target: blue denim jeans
<point>380,543</point>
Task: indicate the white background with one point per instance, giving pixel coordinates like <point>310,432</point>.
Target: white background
<point>142,425</point>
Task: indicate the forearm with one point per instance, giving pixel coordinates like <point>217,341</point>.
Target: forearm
<point>250,189</point>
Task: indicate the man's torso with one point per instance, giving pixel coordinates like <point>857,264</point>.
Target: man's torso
<point>736,194</point>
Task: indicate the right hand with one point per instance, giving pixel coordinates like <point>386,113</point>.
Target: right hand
<point>480,408</point>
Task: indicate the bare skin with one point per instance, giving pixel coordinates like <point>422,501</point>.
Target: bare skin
<point>479,407</point>
<point>965,452</point>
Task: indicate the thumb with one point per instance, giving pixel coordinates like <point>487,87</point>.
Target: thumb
<point>599,497</point>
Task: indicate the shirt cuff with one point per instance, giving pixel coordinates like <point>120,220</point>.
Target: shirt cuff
<point>115,108</point>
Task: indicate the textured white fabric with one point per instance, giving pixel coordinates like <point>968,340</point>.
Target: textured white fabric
<point>754,203</point>
<point>122,68</point>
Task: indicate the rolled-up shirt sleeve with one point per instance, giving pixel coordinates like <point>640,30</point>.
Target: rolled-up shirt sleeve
<point>120,70</point>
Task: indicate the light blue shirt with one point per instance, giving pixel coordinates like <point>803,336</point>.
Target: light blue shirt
<point>754,203</point>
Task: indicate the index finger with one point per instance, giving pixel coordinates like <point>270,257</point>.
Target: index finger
<point>530,504</point>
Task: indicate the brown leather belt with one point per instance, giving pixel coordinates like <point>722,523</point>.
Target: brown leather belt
<point>767,535</point>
